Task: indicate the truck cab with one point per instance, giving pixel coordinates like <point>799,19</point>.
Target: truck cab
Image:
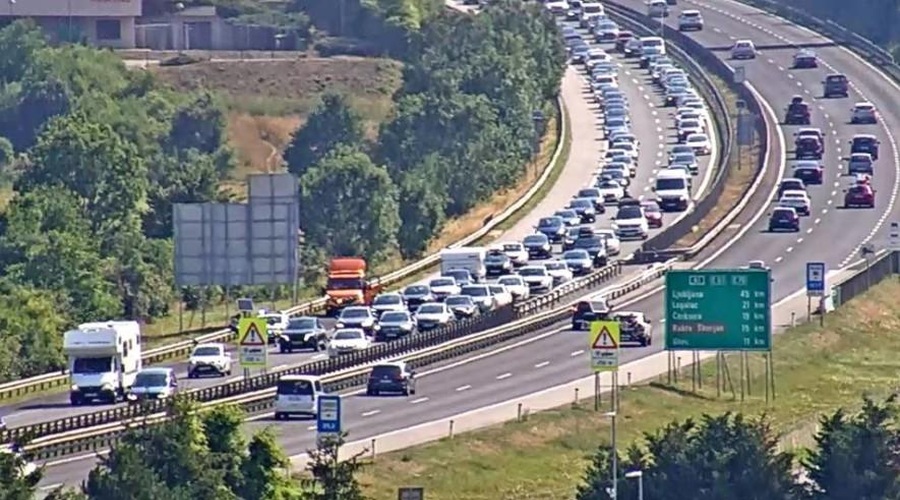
<point>104,359</point>
<point>347,284</point>
<point>297,395</point>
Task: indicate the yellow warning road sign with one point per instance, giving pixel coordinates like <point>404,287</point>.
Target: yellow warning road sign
<point>252,344</point>
<point>604,345</point>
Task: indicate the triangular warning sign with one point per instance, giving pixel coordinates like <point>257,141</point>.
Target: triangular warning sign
<point>604,340</point>
<point>252,336</point>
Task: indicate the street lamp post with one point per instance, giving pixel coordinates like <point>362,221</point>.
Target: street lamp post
<point>614,491</point>
<point>639,475</point>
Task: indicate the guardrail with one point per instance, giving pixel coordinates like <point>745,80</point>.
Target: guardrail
<point>868,49</point>
<point>223,392</point>
<point>697,61</point>
<point>260,399</point>
<point>456,330</point>
<point>181,349</point>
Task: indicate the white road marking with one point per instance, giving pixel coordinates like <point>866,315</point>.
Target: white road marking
<point>463,388</point>
<point>542,364</point>
<point>504,375</point>
<point>576,353</point>
<point>371,412</point>
<point>417,401</point>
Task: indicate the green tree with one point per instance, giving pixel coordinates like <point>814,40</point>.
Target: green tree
<point>332,478</point>
<point>421,206</point>
<point>263,470</point>
<point>31,323</point>
<point>14,485</point>
<point>332,124</point>
<point>19,42</point>
<point>857,455</point>
<point>726,457</point>
<point>199,124</point>
<point>348,205</point>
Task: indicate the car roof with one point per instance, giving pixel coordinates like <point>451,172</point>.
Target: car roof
<point>861,155</point>
<point>864,137</point>
<point>213,344</point>
<point>391,364</point>
<point>794,192</point>
<point>160,370</point>
<point>300,378</point>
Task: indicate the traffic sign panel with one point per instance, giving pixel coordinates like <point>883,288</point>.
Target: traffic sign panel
<point>894,236</point>
<point>604,346</point>
<point>252,335</point>
<point>718,309</point>
<point>815,279</point>
<point>328,415</point>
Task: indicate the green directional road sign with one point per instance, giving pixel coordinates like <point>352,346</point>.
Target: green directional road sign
<point>718,309</point>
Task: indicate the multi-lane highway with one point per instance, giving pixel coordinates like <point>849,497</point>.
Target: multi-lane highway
<point>652,123</point>
<point>650,120</point>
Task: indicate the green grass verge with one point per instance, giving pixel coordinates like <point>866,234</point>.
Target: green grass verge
<point>818,369</point>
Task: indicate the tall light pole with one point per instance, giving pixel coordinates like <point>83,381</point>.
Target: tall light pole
<point>639,475</point>
<point>12,4</point>
<point>614,490</point>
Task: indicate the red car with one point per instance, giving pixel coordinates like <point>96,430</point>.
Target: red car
<point>861,195</point>
<point>652,213</point>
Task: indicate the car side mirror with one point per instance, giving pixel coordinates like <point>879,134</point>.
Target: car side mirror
<point>652,188</point>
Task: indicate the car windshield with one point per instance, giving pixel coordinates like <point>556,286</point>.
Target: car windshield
<point>395,317</point>
<point>664,184</point>
<point>512,247</point>
<point>613,172</point>
<point>416,290</point>
<point>92,365</point>
<point>294,388</point>
<point>475,291</point>
<point>697,138</point>
<point>302,324</point>
<point>589,242</point>
<point>354,313</point>
<point>650,206</point>
<point>683,158</point>
<point>345,284</point>
<point>532,271</point>
<point>566,214</point>
<point>431,309</point>
<point>783,214</point>
<point>510,280</point>
<point>535,239</point>
<point>555,266</point>
<point>609,184</point>
<point>150,380</point>
<point>632,212</point>
<point>458,300</point>
<point>207,351</point>
<point>385,371</point>
<point>690,124</point>
<point>858,190</point>
<point>348,335</point>
<point>443,282</point>
<point>575,255</point>
<point>589,193</point>
<point>581,204</point>
<point>549,222</point>
<point>382,300</point>
<point>499,257</point>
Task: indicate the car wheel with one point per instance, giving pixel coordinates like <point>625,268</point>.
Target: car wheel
<point>192,375</point>
<point>282,349</point>
<point>370,392</point>
<point>278,416</point>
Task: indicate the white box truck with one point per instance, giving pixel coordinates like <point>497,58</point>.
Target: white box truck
<point>469,258</point>
<point>103,360</point>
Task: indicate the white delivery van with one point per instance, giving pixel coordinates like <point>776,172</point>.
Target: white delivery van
<point>673,190</point>
<point>469,258</point>
<point>297,395</point>
<point>104,358</point>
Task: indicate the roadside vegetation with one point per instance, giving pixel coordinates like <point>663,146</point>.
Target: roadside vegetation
<point>818,424</point>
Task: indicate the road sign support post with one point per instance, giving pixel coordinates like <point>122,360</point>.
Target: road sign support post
<point>742,377</point>
<point>596,391</point>
<point>718,374</point>
<point>669,355</point>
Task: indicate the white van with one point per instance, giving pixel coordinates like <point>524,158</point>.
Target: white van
<point>297,395</point>
<point>657,8</point>
<point>653,43</point>
<point>673,190</point>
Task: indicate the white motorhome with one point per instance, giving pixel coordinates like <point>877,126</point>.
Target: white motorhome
<point>469,258</point>
<point>104,359</point>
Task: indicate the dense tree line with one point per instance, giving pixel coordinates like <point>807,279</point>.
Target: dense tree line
<point>733,457</point>
<point>96,155</point>
<point>462,130</point>
<point>197,455</point>
<point>877,20</point>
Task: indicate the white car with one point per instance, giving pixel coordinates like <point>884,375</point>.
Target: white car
<point>433,315</point>
<point>347,340</point>
<point>537,277</point>
<point>863,112</point>
<point>612,191</point>
<point>357,317</point>
<point>516,286</point>
<point>743,49</point>
<point>559,271</point>
<point>443,287</point>
<point>690,20</point>
<point>209,358</point>
<point>700,143</point>
<point>276,322</point>
<point>797,200</point>
<point>481,295</point>
<point>384,302</point>
<point>630,222</point>
<point>613,244</point>
<point>502,295</point>
<point>516,252</point>
<point>627,149</point>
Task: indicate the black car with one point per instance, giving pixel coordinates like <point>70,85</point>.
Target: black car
<point>784,219</point>
<point>497,263</point>
<point>808,148</point>
<point>305,332</point>
<point>585,209</point>
<point>391,377</point>
<point>393,325</point>
<point>462,306</point>
<point>593,194</point>
<point>587,311</point>
<point>553,227</point>
<point>538,246</point>
<point>865,143</point>
<point>596,248</point>
<point>810,172</point>
<point>836,85</point>
<point>797,113</point>
<point>416,295</point>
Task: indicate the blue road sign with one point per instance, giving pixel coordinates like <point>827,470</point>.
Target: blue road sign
<point>815,279</point>
<point>328,418</point>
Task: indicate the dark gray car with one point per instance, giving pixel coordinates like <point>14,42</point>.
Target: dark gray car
<point>394,324</point>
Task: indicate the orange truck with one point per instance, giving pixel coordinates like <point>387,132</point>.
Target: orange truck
<point>347,284</point>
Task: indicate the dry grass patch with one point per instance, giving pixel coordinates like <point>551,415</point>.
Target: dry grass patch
<point>818,369</point>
